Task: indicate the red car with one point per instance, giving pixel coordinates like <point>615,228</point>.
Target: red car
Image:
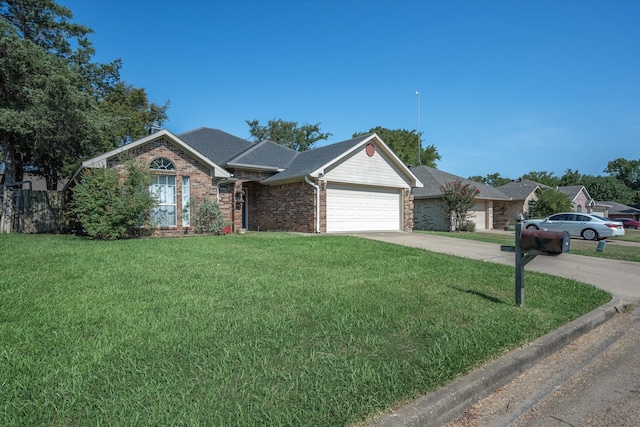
<point>628,222</point>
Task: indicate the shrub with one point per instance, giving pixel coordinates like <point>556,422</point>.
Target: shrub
<point>458,199</point>
<point>206,216</point>
<point>550,201</point>
<point>113,204</point>
<point>469,226</point>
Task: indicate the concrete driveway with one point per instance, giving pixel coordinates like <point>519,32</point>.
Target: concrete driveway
<point>620,278</point>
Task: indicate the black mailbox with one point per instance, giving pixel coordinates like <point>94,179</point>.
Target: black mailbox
<point>544,242</point>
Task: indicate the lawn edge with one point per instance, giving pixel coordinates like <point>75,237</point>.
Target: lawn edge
<point>447,403</point>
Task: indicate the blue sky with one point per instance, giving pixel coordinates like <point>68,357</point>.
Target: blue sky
<point>505,86</point>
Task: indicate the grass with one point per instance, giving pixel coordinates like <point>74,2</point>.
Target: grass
<point>261,329</point>
<point>613,250</point>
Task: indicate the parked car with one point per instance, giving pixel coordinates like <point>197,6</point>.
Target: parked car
<point>628,222</point>
<point>587,226</point>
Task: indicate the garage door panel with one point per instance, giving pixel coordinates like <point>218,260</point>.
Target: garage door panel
<point>478,215</point>
<point>353,208</point>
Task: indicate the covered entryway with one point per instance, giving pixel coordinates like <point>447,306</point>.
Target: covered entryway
<point>363,208</point>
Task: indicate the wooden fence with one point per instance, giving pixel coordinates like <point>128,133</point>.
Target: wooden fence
<point>28,211</point>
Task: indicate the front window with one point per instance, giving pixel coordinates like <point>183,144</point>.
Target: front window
<point>163,187</point>
<point>186,197</point>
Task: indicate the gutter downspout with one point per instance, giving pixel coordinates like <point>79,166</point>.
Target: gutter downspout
<point>317,187</point>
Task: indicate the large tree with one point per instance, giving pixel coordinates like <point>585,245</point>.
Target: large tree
<point>550,201</point>
<point>288,134</point>
<point>543,177</point>
<point>41,103</point>
<point>607,188</point>
<point>492,180</point>
<point>404,144</point>
<point>570,177</point>
<point>56,106</point>
<point>627,171</point>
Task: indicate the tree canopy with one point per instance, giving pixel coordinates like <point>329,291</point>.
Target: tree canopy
<point>550,201</point>
<point>288,134</point>
<point>458,199</point>
<point>404,144</point>
<point>56,106</point>
<point>493,180</point>
<point>627,171</point>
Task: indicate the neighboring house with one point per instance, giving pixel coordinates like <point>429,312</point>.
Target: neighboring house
<point>581,201</point>
<point>354,185</point>
<point>523,194</point>
<point>429,211</point>
<point>618,210</point>
<point>601,208</point>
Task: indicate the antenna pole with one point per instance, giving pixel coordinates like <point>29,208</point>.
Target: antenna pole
<point>419,134</point>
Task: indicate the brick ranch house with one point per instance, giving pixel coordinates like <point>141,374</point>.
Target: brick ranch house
<point>353,185</point>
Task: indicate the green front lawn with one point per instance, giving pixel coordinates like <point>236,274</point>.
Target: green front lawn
<point>260,329</point>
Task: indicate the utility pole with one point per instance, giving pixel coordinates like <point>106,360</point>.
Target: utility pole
<point>419,135</point>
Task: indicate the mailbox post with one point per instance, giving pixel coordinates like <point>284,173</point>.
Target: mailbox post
<point>531,243</point>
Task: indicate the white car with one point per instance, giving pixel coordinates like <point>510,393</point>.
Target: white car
<point>589,227</point>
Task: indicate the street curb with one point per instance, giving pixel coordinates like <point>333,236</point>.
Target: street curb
<point>444,405</point>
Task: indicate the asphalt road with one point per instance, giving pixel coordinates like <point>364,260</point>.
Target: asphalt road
<point>593,381</point>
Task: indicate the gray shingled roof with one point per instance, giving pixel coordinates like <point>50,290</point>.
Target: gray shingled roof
<point>571,190</point>
<point>265,155</point>
<point>520,189</point>
<point>619,208</point>
<point>228,151</point>
<point>215,144</point>
<point>308,161</point>
<point>433,179</point>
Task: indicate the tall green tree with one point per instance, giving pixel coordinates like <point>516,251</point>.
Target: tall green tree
<point>627,171</point>
<point>608,188</point>
<point>288,134</point>
<point>493,179</point>
<point>570,177</point>
<point>543,177</point>
<point>56,106</point>
<point>404,144</point>
<point>44,113</point>
<point>550,201</point>
<point>128,113</point>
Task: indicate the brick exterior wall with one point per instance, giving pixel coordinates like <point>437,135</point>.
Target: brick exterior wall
<point>409,214</point>
<point>198,173</point>
<point>287,207</point>
<point>581,203</point>
<point>429,214</point>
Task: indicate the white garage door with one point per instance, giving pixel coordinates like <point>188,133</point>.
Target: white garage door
<point>479,216</point>
<point>355,208</point>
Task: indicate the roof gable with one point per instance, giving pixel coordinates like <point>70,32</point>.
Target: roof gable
<point>265,155</point>
<point>433,179</point>
<point>314,162</point>
<point>101,160</point>
<point>573,191</point>
<point>217,145</point>
<point>520,189</point>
